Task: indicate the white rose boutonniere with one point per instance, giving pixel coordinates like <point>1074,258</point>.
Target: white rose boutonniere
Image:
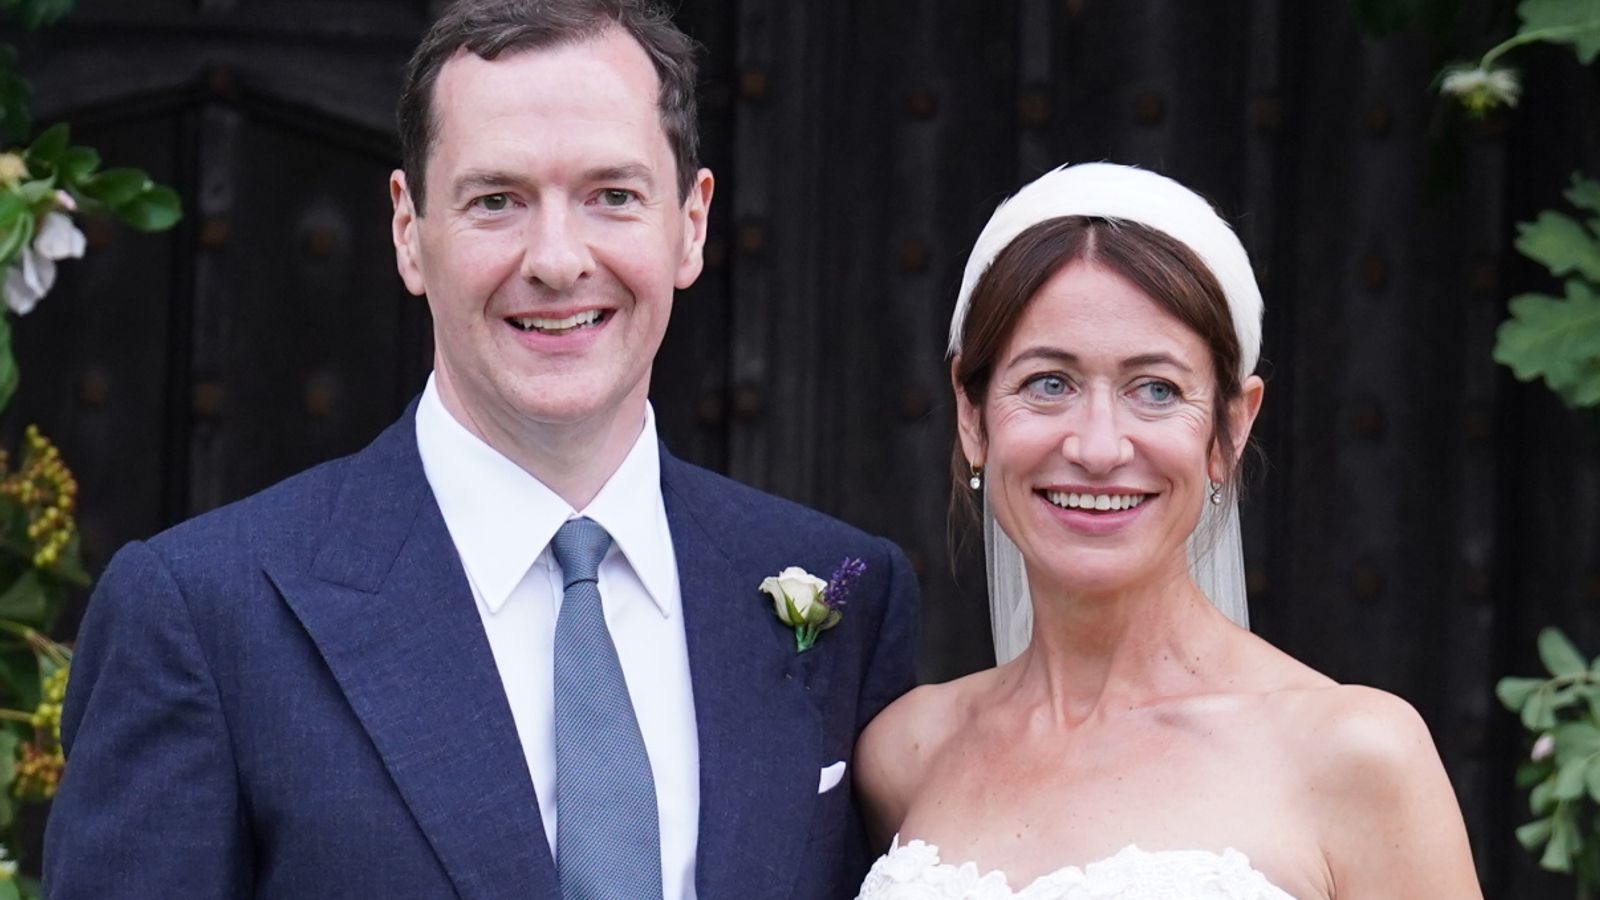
<point>808,604</point>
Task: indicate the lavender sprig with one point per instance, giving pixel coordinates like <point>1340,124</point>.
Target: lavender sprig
<point>843,579</point>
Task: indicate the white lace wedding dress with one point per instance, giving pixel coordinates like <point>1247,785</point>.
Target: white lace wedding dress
<point>913,871</point>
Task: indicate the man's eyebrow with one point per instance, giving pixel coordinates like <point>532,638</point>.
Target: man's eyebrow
<point>492,179</point>
<point>480,179</point>
<point>638,172</point>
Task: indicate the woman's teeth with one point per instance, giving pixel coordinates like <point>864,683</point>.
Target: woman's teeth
<point>557,326</point>
<point>1095,501</point>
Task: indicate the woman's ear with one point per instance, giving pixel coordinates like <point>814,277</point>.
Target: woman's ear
<point>1241,419</point>
<point>969,420</point>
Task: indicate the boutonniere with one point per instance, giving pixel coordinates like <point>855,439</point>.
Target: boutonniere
<point>808,604</point>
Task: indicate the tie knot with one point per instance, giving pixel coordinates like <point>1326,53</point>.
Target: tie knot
<point>579,546</point>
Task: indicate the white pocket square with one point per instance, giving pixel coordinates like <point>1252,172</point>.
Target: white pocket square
<point>831,776</point>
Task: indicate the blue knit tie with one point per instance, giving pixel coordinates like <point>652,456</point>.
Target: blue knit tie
<point>608,840</point>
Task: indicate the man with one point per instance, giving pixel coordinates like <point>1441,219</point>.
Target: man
<point>513,648</point>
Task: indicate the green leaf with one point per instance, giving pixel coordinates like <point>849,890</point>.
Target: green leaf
<point>1539,799</point>
<point>34,191</point>
<point>9,375</point>
<point>1557,340</point>
<point>1576,739</point>
<point>1539,713</point>
<point>1564,842</point>
<point>1570,784</point>
<point>1575,22</point>
<point>8,756</point>
<point>16,227</point>
<point>1514,692</point>
<point>16,100</point>
<point>1528,774</point>
<point>156,209</point>
<point>1561,244</point>
<point>49,145</point>
<point>24,600</point>
<point>1535,833</point>
<point>1584,193</point>
<point>115,187</point>
<point>9,890</point>
<point>1559,655</point>
<point>76,165</point>
<point>1592,779</point>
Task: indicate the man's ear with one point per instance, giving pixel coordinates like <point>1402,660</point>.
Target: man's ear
<point>696,210</point>
<point>1242,414</point>
<point>407,244</point>
<point>969,421</point>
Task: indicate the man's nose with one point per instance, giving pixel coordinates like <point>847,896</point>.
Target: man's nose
<point>1095,441</point>
<point>557,255</point>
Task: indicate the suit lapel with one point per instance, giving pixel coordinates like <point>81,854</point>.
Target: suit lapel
<point>759,733</point>
<point>389,608</point>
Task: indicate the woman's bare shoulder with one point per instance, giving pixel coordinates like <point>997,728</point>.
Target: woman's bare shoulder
<point>897,748</point>
<point>916,726</point>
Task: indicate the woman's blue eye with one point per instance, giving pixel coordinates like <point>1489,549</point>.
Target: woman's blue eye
<point>1049,385</point>
<point>1159,391</point>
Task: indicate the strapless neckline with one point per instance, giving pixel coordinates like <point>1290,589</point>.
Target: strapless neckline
<point>914,871</point>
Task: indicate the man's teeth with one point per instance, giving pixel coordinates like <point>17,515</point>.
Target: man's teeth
<point>532,323</point>
<point>1095,501</point>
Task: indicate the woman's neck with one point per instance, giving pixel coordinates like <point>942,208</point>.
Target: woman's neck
<point>1097,653</point>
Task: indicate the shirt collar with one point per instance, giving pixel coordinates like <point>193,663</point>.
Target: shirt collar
<point>501,518</point>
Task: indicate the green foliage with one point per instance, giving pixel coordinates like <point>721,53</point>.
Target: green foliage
<point>1563,769</point>
<point>129,194</point>
<point>1575,22</point>
<point>1558,338</point>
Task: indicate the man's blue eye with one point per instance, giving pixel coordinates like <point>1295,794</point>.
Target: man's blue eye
<point>494,202</point>
<point>615,197</point>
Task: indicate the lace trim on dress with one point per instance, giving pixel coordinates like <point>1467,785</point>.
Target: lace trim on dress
<point>913,871</point>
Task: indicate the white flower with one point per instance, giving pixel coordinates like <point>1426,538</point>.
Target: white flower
<point>34,272</point>
<point>65,201</point>
<point>28,279</point>
<point>58,238</point>
<point>8,866</point>
<point>1480,89</point>
<point>797,588</point>
<point>1543,747</point>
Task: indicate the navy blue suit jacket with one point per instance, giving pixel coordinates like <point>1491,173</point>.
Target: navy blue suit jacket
<point>293,697</point>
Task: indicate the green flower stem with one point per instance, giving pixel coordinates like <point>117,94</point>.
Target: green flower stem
<point>1554,33</point>
<point>804,637</point>
<point>40,644</point>
<point>16,715</point>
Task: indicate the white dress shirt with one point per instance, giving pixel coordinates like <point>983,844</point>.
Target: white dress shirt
<point>502,520</point>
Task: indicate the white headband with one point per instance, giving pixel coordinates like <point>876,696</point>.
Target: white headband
<point>1111,191</point>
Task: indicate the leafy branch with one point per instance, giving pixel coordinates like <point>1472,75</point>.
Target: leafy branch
<point>1563,768</point>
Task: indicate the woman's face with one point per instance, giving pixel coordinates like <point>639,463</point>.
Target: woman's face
<point>1096,434</point>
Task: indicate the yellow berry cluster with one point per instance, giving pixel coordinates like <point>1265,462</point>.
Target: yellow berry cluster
<point>45,488</point>
<point>38,771</point>
<point>47,716</point>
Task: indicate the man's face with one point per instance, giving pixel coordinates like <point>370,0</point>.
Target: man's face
<point>553,238</point>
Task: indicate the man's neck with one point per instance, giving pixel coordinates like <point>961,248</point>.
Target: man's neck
<point>572,459</point>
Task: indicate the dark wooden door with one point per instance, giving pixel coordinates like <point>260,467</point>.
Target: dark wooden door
<point>1417,516</point>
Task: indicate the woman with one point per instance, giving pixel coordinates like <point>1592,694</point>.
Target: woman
<point>1140,745</point>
